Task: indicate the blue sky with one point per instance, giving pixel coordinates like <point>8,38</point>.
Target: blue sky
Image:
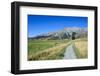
<point>41,24</point>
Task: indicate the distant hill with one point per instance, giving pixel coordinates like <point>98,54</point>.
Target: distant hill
<point>66,33</point>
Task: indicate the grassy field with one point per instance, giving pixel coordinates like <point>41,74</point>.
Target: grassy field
<point>54,49</point>
<point>80,46</point>
<point>46,49</point>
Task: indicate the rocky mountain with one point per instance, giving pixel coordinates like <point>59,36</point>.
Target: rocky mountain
<point>66,33</point>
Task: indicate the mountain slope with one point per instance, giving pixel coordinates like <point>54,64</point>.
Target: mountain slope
<point>66,33</point>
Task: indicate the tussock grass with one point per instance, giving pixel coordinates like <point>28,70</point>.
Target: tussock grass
<point>80,47</point>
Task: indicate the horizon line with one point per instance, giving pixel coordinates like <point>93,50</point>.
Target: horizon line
<point>58,30</point>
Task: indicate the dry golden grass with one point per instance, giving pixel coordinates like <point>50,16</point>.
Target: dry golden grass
<point>48,54</point>
<point>81,48</point>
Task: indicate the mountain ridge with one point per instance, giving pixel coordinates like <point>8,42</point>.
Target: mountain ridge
<point>65,33</point>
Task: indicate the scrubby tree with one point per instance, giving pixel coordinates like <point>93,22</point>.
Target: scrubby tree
<point>73,35</point>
